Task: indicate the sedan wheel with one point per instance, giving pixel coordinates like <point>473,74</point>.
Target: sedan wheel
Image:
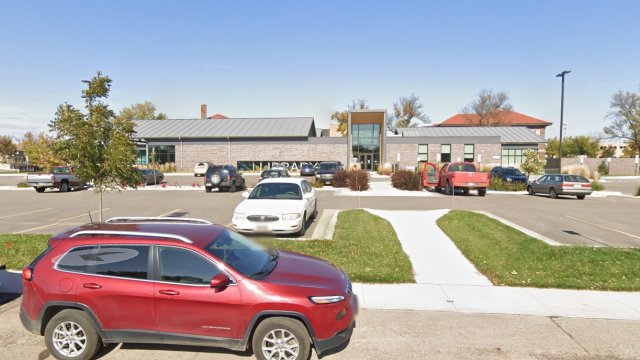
<point>530,190</point>
<point>303,227</point>
<point>553,194</point>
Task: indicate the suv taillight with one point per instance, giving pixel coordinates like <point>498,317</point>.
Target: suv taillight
<point>27,273</point>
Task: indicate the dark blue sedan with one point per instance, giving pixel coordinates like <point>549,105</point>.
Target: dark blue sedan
<point>307,170</point>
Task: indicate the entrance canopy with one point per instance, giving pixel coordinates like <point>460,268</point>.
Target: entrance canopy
<point>366,138</point>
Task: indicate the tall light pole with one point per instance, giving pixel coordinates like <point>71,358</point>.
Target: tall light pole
<point>561,75</point>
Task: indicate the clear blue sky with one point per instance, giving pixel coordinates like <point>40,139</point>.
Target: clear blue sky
<point>299,58</point>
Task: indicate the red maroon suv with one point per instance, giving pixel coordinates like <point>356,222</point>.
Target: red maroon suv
<point>182,281</point>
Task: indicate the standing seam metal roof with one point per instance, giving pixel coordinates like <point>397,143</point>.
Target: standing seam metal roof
<point>234,128</point>
<point>507,134</point>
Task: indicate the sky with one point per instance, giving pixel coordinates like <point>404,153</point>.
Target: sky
<point>310,58</point>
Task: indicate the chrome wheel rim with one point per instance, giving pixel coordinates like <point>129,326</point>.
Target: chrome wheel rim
<point>280,344</point>
<point>69,339</point>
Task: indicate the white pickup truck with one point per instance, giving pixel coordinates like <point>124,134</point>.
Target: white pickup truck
<point>62,178</point>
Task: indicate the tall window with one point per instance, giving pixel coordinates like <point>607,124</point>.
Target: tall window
<point>423,152</point>
<point>468,152</point>
<point>446,153</point>
<point>513,156</point>
<point>162,154</point>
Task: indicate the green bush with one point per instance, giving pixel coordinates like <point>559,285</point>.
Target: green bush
<point>495,183</point>
<point>596,186</point>
<point>358,180</point>
<point>340,179</point>
<point>603,169</point>
<point>23,184</point>
<point>407,180</point>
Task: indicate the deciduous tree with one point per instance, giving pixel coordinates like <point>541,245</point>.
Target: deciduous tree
<point>532,163</point>
<point>407,112</point>
<point>7,147</point>
<point>97,142</point>
<point>574,146</point>
<point>39,150</point>
<point>608,152</point>
<point>141,111</point>
<point>625,117</point>
<point>488,109</point>
<point>342,117</point>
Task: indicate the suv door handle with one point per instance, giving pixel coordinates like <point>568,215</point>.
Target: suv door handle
<point>169,292</point>
<point>92,286</point>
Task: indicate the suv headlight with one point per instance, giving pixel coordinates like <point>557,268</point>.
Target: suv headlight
<point>326,299</point>
<point>239,216</point>
<point>291,216</point>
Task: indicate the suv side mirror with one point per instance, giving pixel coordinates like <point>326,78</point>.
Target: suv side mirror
<point>220,281</point>
<point>245,194</point>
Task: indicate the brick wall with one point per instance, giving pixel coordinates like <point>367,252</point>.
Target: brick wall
<point>409,153</point>
<point>188,154</point>
<point>618,166</point>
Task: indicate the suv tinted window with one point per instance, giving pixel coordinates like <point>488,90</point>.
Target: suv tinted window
<point>185,267</point>
<point>128,261</point>
<point>77,259</point>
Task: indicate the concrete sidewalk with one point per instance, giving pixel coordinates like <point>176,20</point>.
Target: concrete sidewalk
<point>447,281</point>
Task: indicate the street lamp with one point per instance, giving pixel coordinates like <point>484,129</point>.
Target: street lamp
<point>561,75</point>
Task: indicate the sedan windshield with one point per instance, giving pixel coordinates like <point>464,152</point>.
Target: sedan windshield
<point>278,191</point>
<point>242,254</point>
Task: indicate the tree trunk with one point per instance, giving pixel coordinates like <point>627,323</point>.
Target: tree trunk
<point>101,205</point>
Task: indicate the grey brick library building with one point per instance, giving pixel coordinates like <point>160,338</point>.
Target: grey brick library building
<point>255,143</point>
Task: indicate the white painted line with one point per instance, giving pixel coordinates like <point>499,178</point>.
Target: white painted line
<point>36,228</point>
<point>604,227</point>
<point>74,217</point>
<point>25,213</point>
<point>169,213</point>
<point>531,233</point>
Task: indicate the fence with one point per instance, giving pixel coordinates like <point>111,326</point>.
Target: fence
<point>616,166</point>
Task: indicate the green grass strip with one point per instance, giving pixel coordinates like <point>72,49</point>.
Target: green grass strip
<point>509,257</point>
<point>363,245</point>
<point>17,251</point>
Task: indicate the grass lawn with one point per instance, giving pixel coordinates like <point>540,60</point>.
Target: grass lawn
<point>363,245</point>
<point>17,251</point>
<point>509,257</point>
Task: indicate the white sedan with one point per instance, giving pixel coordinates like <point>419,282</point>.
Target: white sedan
<point>277,206</point>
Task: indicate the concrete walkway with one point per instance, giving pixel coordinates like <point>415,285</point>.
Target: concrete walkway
<point>447,281</point>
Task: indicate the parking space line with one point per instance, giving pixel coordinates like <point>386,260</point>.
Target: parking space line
<point>35,228</point>
<point>169,213</point>
<point>25,213</point>
<point>74,217</point>
<point>603,227</point>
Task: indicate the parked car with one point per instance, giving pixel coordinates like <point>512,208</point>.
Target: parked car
<point>61,177</point>
<point>200,168</point>
<point>563,184</point>
<point>509,174</point>
<point>204,285</point>
<point>151,176</point>
<point>273,173</point>
<point>458,175</point>
<point>223,178</point>
<point>278,206</point>
<point>326,170</point>
<point>307,169</point>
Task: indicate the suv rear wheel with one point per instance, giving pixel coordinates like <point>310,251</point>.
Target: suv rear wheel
<point>70,334</point>
<point>281,338</point>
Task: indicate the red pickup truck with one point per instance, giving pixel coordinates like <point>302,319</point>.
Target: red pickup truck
<point>458,175</point>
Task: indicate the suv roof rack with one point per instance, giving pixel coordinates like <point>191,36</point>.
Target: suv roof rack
<point>131,233</point>
<point>142,219</point>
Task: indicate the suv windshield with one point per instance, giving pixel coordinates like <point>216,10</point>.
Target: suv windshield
<point>279,191</point>
<point>242,254</point>
<point>270,174</point>
<point>328,166</point>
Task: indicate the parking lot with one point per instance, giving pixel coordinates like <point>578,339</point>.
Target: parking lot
<point>610,221</point>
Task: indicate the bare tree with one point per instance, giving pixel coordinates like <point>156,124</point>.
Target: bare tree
<point>625,118</point>
<point>488,109</point>
<point>406,112</point>
<point>342,116</point>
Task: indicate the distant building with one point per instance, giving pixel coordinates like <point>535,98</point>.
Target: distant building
<point>619,145</point>
<point>510,118</point>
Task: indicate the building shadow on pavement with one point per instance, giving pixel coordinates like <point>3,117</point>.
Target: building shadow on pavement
<point>10,285</point>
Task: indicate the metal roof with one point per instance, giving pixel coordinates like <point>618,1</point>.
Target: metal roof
<point>507,134</point>
<point>232,127</point>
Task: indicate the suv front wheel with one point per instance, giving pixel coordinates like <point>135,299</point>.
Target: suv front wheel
<point>281,338</point>
<point>70,334</point>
